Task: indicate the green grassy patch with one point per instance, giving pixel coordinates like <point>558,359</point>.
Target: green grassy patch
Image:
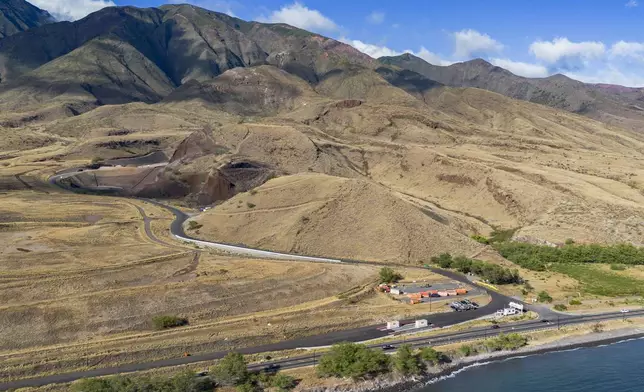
<point>596,281</point>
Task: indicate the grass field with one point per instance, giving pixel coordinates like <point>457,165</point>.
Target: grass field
<point>599,281</point>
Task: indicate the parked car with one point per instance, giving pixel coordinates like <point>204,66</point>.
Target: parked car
<point>545,321</point>
<point>495,326</point>
<point>387,347</point>
<point>625,310</point>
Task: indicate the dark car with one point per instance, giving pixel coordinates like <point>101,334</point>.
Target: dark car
<point>545,321</point>
<point>495,326</point>
<point>272,368</point>
<point>388,347</point>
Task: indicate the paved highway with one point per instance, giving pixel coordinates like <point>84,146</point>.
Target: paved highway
<point>310,359</point>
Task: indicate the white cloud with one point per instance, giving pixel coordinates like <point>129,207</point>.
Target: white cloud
<point>633,50</point>
<point>376,17</point>
<point>372,50</point>
<point>631,4</point>
<point>71,9</point>
<point>562,51</point>
<point>376,51</point>
<point>298,15</point>
<point>522,69</point>
<point>468,43</point>
<point>430,57</point>
<point>213,5</point>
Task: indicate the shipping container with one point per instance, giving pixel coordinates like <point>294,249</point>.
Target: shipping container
<point>452,292</point>
<point>461,291</point>
<point>443,293</point>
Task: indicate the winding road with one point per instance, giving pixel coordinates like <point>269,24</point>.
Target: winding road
<point>367,333</point>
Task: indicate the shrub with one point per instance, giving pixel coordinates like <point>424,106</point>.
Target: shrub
<point>569,241</point>
<point>468,350</point>
<point>231,370</point>
<point>194,225</point>
<point>481,239</point>
<point>182,382</point>
<point>165,322</point>
<point>511,341</point>
<point>250,205</point>
<point>388,275</point>
<point>352,360</point>
<point>560,307</point>
<point>543,296</point>
<point>617,267</point>
<point>574,302</point>
<point>405,361</point>
<point>253,192</point>
<point>283,382</point>
<point>597,328</point>
<point>432,356</point>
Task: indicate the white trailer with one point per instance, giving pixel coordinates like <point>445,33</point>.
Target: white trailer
<point>421,323</point>
<point>393,324</point>
<point>516,306</point>
<point>395,291</point>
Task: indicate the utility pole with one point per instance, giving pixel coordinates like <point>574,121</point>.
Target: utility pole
<point>314,358</point>
<point>558,325</point>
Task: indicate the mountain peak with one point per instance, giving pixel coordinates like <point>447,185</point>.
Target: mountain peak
<point>18,15</point>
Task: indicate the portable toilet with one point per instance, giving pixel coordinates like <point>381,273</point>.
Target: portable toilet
<point>421,323</point>
<point>393,324</point>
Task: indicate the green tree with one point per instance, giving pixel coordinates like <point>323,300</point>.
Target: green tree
<point>388,275</point>
<point>543,296</point>
<point>352,360</point>
<point>405,361</point>
<point>231,370</point>
<point>428,354</point>
<point>443,261</point>
<point>283,382</point>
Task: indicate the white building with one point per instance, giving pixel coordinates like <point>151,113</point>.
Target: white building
<point>421,323</point>
<point>393,324</point>
<point>395,291</point>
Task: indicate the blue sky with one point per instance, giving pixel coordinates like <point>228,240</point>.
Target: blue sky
<point>597,41</point>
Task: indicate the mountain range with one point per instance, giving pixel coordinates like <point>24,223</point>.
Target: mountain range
<point>305,144</point>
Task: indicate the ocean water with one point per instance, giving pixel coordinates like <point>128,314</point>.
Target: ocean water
<point>616,367</point>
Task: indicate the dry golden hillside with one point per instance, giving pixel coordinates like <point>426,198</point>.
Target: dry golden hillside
<point>331,216</point>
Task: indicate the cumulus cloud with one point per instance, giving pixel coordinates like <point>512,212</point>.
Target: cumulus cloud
<point>299,15</point>
<point>520,68</point>
<point>71,9</point>
<point>561,53</point>
<point>376,51</point>
<point>634,50</point>
<point>372,50</point>
<point>631,4</point>
<point>376,17</point>
<point>224,7</point>
<point>469,43</point>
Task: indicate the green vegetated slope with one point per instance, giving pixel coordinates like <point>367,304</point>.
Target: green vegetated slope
<point>584,263</point>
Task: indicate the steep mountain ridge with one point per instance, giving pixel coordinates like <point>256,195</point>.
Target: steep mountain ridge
<point>18,15</point>
<point>611,105</point>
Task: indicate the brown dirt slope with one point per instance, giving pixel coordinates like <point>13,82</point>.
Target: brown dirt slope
<point>335,217</point>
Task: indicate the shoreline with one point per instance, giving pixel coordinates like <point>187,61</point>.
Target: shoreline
<point>574,343</point>
<point>392,384</point>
